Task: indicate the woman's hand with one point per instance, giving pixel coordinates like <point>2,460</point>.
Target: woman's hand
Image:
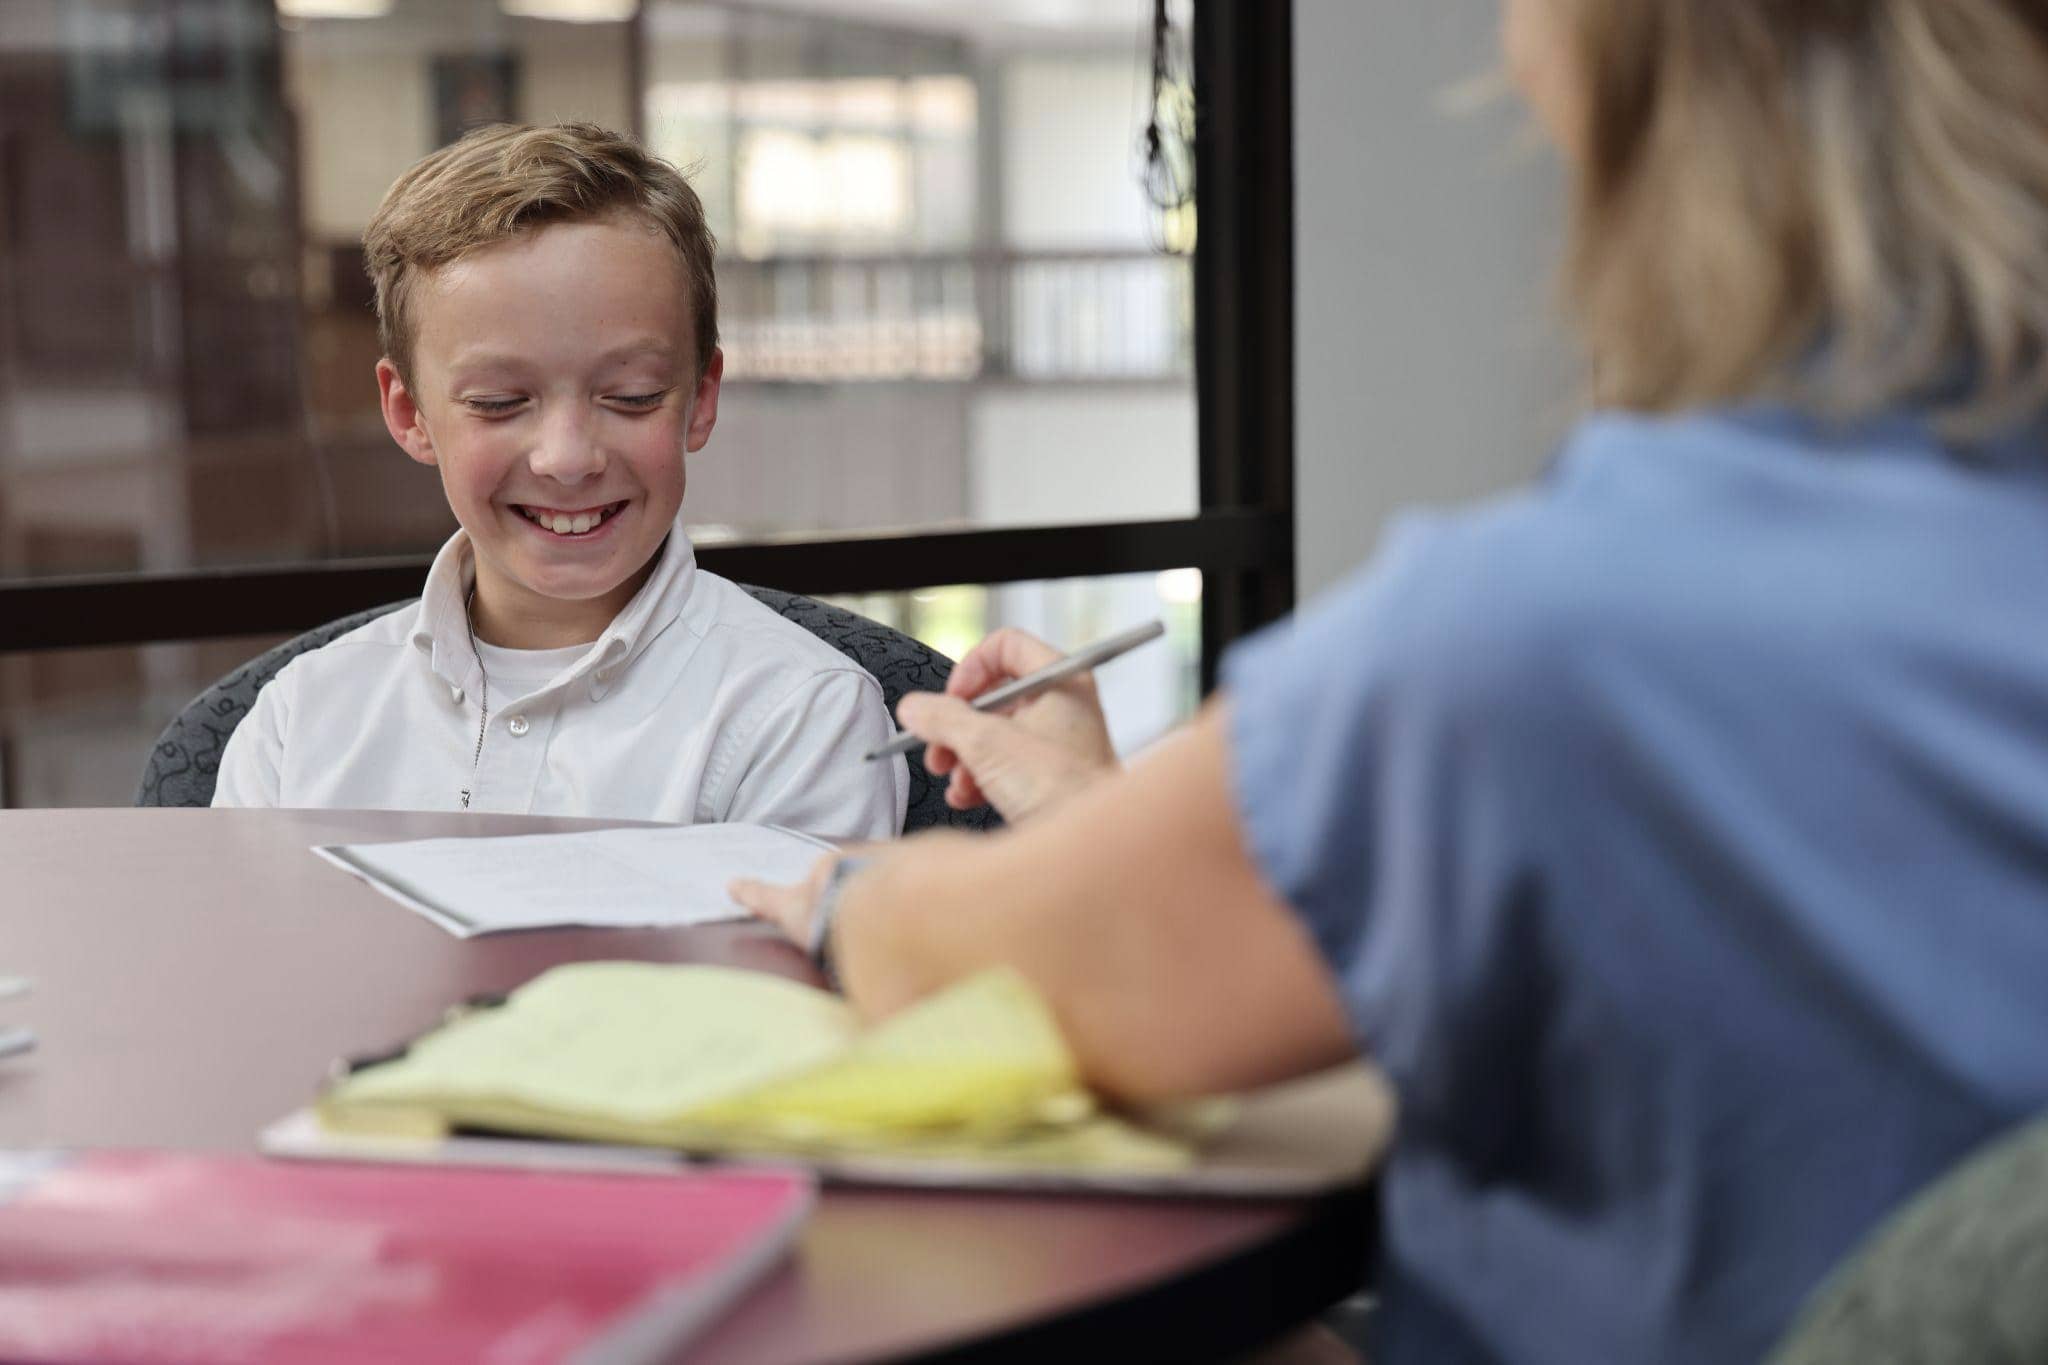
<point>1024,758</point>
<point>792,908</point>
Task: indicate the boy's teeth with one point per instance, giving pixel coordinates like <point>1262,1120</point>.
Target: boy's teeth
<point>562,524</point>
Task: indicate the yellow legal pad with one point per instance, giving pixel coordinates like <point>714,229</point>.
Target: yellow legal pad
<point>718,1060</point>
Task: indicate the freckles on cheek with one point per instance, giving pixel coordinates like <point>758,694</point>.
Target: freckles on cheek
<point>479,466</point>
<point>494,446</point>
<point>658,437</point>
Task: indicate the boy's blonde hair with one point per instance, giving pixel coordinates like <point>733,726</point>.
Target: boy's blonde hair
<point>500,181</point>
<point>1843,202</point>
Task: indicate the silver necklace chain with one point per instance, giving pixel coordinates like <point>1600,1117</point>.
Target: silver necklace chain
<point>483,691</point>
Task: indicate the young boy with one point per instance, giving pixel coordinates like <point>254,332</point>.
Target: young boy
<point>547,310</point>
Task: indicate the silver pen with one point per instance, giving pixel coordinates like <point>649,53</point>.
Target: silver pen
<point>1053,674</point>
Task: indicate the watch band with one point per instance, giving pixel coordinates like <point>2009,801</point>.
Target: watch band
<point>826,913</point>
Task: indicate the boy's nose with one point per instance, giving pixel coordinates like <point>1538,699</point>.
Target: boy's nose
<point>568,452</point>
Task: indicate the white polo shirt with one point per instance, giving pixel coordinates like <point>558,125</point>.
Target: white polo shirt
<point>697,704</point>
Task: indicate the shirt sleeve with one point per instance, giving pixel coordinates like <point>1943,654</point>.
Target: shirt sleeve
<point>804,766</point>
<point>1377,748</point>
<point>252,764</point>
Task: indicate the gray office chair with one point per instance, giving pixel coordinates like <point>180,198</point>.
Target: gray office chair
<point>1957,1277</point>
<point>181,767</point>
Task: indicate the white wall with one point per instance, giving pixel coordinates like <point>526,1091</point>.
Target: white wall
<point>1427,365</point>
<point>818,457</point>
<point>1053,453</point>
<point>1069,128</point>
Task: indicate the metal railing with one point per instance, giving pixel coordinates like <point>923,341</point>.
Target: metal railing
<point>1058,316</point>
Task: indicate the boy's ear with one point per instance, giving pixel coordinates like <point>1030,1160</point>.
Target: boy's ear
<point>704,410</point>
<point>402,414</point>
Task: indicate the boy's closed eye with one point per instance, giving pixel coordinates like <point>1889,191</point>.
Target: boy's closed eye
<point>498,407</point>
<point>491,407</point>
<point>642,402</point>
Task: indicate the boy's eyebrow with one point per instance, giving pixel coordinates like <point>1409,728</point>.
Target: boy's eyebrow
<point>655,346</point>
<point>482,360</point>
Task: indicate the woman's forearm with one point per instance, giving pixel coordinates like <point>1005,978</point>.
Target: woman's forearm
<point>1133,908</point>
<point>896,938</point>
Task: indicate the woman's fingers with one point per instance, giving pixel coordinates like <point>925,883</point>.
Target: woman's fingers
<point>954,730</point>
<point>1018,763</point>
<point>1007,653</point>
<point>785,907</point>
<point>963,792</point>
<point>788,906</point>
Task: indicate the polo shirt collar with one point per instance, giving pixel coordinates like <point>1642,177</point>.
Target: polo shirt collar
<point>441,622</point>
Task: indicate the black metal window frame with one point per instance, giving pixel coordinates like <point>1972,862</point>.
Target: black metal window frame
<point>1242,537</point>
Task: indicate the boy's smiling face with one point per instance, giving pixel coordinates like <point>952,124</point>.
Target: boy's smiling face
<point>554,383</point>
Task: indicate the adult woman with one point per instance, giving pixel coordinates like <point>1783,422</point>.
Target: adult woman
<point>1671,833</point>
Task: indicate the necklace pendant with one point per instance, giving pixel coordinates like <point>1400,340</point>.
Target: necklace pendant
<point>465,798</point>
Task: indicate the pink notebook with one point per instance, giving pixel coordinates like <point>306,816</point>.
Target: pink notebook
<point>161,1256</point>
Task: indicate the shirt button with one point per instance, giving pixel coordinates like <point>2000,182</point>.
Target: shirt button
<point>517,725</point>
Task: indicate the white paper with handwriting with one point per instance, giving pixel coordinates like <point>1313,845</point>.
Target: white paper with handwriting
<point>665,875</point>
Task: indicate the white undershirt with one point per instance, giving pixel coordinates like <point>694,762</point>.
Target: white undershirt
<point>516,672</point>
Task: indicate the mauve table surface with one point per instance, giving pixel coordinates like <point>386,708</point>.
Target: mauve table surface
<point>195,972</point>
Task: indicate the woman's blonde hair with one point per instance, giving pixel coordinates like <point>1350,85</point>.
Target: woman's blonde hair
<point>1839,202</point>
<point>501,181</point>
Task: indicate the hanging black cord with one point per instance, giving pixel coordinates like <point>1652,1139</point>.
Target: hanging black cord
<point>1169,137</point>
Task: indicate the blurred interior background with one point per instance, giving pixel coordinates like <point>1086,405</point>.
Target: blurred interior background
<point>954,292</point>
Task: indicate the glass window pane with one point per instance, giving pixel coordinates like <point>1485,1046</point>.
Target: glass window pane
<point>76,725</point>
<point>943,297</point>
<point>1145,693</point>
<point>942,294</point>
